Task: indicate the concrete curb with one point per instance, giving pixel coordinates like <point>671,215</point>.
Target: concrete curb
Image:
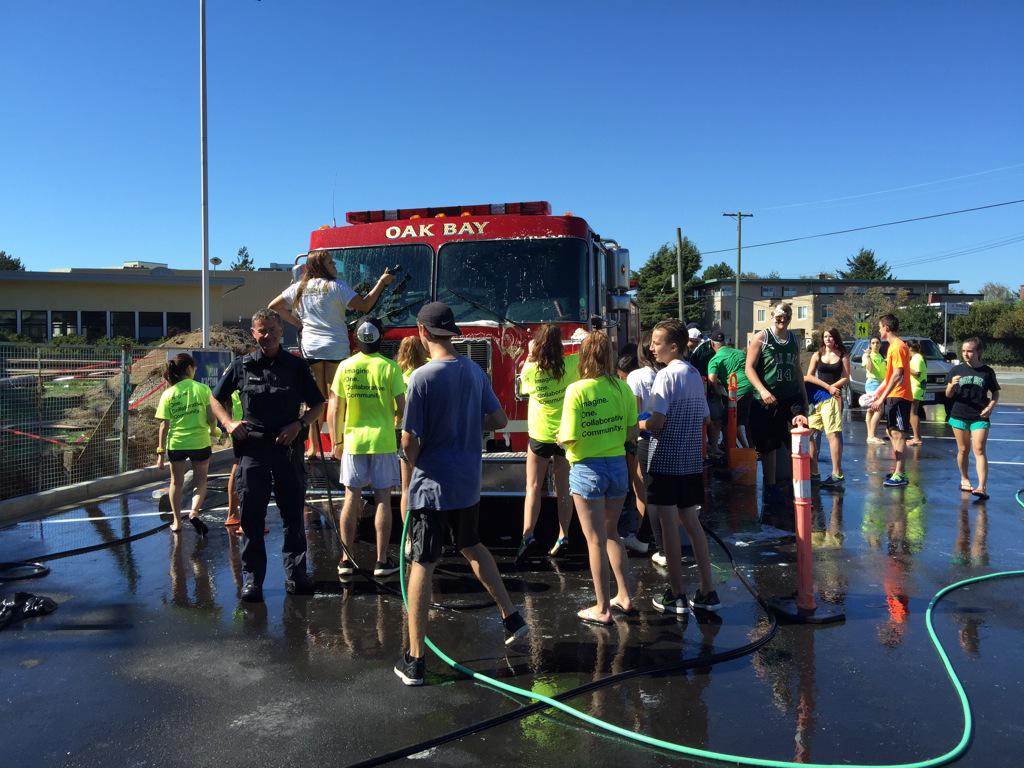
<point>41,504</point>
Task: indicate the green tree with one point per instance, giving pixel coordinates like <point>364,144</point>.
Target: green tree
<point>718,271</point>
<point>868,306</point>
<point>655,294</point>
<point>244,262</point>
<point>918,319</point>
<point>1010,325</point>
<point>10,263</point>
<point>981,320</point>
<point>996,292</point>
<point>864,266</point>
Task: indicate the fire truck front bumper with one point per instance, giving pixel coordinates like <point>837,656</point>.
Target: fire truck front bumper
<point>504,474</point>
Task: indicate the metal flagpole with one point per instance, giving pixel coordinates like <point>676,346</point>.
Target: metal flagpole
<point>205,184</point>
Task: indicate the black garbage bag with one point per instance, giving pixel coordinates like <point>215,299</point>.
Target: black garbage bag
<point>23,605</point>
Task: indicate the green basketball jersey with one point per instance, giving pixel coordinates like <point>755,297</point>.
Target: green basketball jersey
<point>778,367</point>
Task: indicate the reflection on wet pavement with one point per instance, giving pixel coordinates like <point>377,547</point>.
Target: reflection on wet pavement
<point>166,666</point>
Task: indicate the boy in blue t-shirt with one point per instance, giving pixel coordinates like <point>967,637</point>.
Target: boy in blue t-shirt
<point>448,407</point>
<point>679,412</point>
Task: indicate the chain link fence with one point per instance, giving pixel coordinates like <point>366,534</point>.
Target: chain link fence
<point>74,413</point>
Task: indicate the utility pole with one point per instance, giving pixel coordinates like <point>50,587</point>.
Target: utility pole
<point>679,271</point>
<point>739,216</point>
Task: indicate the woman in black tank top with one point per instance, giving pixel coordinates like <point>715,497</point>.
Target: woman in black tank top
<point>827,373</point>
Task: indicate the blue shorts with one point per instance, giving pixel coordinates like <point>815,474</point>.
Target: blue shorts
<point>599,478</point>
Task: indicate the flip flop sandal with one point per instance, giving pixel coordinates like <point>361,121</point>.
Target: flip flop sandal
<point>201,528</point>
<point>966,489</point>
<point>594,622</point>
<point>616,608</point>
<point>982,496</point>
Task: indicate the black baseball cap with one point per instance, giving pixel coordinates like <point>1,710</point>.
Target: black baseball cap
<point>718,336</point>
<point>437,317</point>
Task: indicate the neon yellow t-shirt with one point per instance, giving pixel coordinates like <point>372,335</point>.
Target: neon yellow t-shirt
<point>236,406</point>
<point>547,394</point>
<point>369,385</point>
<point>183,406</point>
<point>595,416</point>
<point>918,376</point>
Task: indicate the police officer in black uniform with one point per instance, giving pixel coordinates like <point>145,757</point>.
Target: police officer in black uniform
<point>272,384</point>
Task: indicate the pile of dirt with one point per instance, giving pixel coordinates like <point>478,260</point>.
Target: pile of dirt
<point>235,339</point>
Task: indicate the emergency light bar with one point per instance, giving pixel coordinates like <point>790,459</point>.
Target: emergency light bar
<point>536,208</point>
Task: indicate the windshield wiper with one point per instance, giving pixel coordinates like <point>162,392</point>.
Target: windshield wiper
<point>403,308</point>
<point>478,305</point>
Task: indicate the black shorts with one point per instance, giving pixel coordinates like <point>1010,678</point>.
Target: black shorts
<point>676,490</point>
<point>196,454</point>
<point>429,528</point>
<point>770,425</point>
<point>716,408</point>
<point>743,409</point>
<point>546,450</point>
<point>897,414</point>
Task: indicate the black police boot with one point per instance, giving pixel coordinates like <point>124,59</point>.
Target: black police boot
<point>299,584</point>
<point>251,591</point>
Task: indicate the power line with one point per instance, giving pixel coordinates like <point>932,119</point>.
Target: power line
<point>893,189</point>
<point>869,226</point>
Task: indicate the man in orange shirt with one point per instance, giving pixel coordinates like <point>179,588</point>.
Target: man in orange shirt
<point>895,396</point>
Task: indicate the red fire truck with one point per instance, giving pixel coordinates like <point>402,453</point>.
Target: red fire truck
<point>505,269</point>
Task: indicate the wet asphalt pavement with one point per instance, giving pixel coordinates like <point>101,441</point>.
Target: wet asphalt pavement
<point>150,658</point>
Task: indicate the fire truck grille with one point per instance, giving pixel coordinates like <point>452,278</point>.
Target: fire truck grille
<point>477,350</point>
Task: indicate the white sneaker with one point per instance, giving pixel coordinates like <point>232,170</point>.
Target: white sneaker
<point>658,558</point>
<point>633,544</point>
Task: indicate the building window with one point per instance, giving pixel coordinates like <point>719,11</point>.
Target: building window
<point>789,290</point>
<point>33,324</point>
<point>94,325</point>
<point>728,290</point>
<point>151,326</point>
<point>63,323</point>
<point>769,291</point>
<point>760,315</point>
<point>178,322</point>
<point>801,312</point>
<point>716,318</point>
<point>826,311</point>
<point>122,324</point>
<point>9,321</point>
<point>726,315</point>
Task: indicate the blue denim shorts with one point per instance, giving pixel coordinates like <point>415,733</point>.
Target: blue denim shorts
<point>603,478</point>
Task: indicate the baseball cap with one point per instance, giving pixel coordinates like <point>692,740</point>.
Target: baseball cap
<point>694,333</point>
<point>368,333</point>
<point>718,336</point>
<point>437,317</point>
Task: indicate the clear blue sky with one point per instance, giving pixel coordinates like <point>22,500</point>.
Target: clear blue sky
<point>640,117</point>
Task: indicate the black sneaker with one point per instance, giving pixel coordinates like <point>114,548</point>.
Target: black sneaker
<point>669,603</point>
<point>301,584</point>
<point>527,549</point>
<point>708,602</point>
<point>388,568</point>
<point>515,627</point>
<point>411,671</point>
<point>346,569</point>
<point>251,591</point>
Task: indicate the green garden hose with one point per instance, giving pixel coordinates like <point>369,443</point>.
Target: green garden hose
<point>707,754</point>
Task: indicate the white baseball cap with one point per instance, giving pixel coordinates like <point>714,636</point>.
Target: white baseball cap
<point>367,333</point>
<point>694,333</point>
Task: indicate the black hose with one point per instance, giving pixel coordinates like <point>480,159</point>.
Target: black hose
<point>656,669</point>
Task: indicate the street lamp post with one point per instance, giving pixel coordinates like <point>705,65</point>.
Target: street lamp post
<point>205,282</point>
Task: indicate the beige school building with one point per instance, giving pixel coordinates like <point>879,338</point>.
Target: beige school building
<point>140,300</point>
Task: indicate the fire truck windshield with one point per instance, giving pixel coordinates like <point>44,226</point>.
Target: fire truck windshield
<point>527,280</point>
<point>360,267</point>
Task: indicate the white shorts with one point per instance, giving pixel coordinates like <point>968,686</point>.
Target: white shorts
<point>374,470</point>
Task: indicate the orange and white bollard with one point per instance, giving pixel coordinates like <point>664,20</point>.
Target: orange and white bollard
<point>804,609</point>
<point>730,417</point>
<point>802,503</point>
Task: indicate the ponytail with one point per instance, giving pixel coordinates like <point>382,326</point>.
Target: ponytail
<point>177,367</point>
